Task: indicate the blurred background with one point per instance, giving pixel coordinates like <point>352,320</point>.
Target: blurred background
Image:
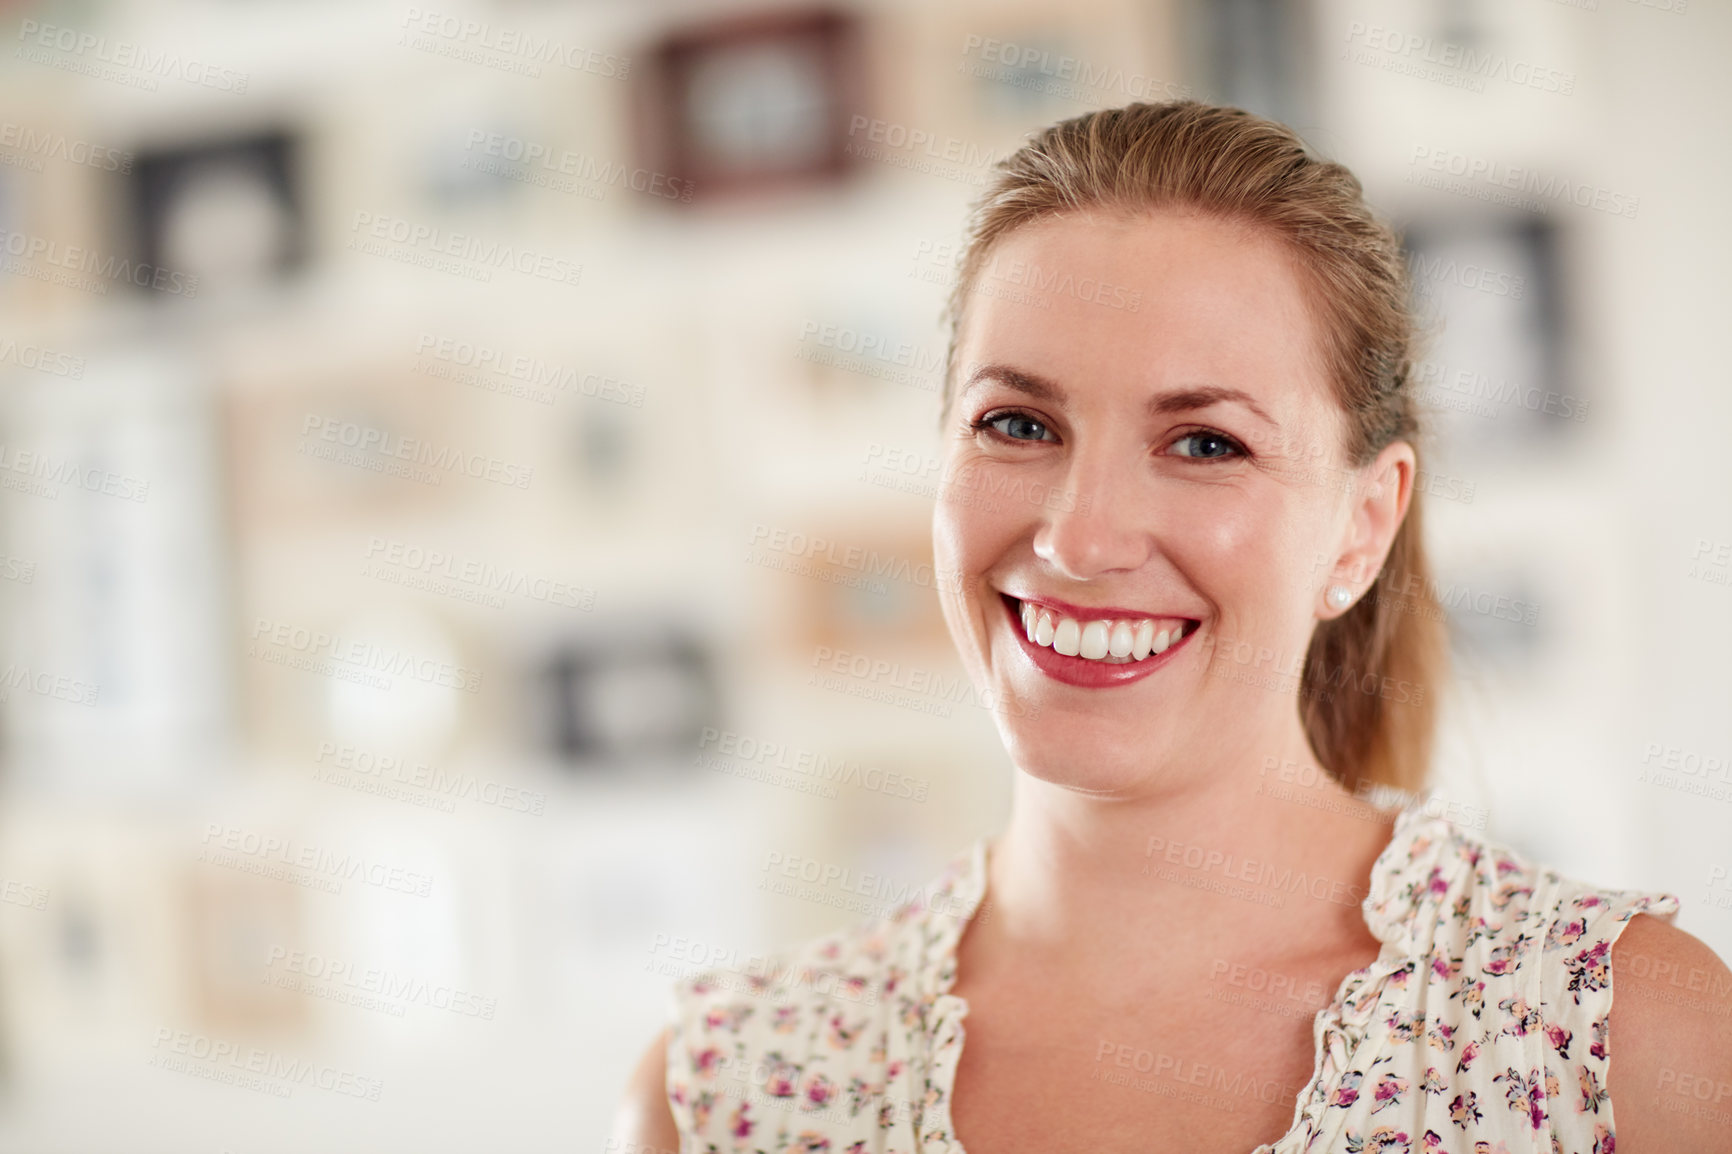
<point>465,490</point>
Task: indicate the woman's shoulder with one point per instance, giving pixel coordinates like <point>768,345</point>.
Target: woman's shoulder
<point>1490,1015</point>
<point>1523,946</point>
<point>1671,1028</point>
<point>1481,906</point>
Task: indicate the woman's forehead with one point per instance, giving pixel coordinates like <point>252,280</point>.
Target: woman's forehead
<point>1153,302</point>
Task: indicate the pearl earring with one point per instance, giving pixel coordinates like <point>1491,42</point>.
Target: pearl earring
<point>1340,596</point>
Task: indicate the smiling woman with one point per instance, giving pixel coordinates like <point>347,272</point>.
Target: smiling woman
<point>1200,937</point>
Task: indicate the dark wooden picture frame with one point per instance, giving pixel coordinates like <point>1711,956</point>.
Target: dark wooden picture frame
<point>754,103</point>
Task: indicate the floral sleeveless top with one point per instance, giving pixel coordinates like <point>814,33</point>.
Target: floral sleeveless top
<point>1480,1028</point>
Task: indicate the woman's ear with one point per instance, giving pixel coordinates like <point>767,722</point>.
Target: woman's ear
<point>1380,501</point>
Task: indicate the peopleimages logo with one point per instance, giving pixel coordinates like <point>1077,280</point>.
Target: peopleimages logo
<point>471,256</point>
<point>756,975</point>
<point>365,439</point>
<point>363,656</point>
<point>1090,290</point>
<point>224,1061</point>
<point>750,751</point>
<point>1070,76</point>
<point>867,344</point>
<point>41,144</point>
<point>877,888</point>
<point>1443,269</point>
<point>40,466</point>
<point>17,678</point>
<point>905,138</point>
<point>586,170</point>
<point>1486,179</point>
<point>483,576</point>
<point>531,372</point>
<point>70,262</point>
<point>97,56</point>
<point>343,980</point>
<point>227,845</point>
<point>473,40</point>
<point>24,894</point>
<point>1228,1083</point>
<point>388,775</point>
<point>43,360</point>
<point>1460,61</point>
<point>1255,875</point>
<point>856,558</point>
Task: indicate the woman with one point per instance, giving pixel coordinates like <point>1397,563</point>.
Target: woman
<point>1180,461</point>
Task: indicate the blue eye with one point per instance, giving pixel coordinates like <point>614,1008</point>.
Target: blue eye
<point>1019,426</point>
<point>1219,446</point>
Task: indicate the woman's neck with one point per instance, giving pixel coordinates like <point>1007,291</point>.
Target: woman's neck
<point>1244,862</point>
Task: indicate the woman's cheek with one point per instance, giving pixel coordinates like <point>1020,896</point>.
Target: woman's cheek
<point>974,518</point>
<point>1228,535</point>
<point>952,534</point>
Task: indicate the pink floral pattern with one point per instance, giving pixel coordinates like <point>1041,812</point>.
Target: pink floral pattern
<point>1480,1027</point>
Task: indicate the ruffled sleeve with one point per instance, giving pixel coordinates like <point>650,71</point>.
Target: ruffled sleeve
<point>961,891</point>
<point>698,1051</point>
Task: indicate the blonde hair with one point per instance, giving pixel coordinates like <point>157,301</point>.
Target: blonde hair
<point>1229,164</point>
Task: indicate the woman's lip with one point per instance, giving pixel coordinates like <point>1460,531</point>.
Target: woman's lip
<point>1096,612</point>
<point>1080,671</point>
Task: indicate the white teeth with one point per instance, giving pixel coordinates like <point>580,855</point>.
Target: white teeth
<point>1115,642</point>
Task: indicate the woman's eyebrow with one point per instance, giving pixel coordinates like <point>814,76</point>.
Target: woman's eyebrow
<point>1201,397</point>
<point>1035,386</point>
<point>1161,404</point>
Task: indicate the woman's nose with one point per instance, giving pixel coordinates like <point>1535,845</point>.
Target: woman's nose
<point>1095,526</point>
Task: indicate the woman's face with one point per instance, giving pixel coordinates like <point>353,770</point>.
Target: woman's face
<point>1158,456</point>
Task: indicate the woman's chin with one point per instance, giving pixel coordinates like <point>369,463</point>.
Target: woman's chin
<point>1076,758</point>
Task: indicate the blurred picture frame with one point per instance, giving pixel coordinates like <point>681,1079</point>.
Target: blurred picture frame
<point>880,593</point>
<point>295,454</point>
<point>636,699</point>
<point>235,925</point>
<point>228,211</point>
<point>754,103</point>
<point>1496,367</point>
